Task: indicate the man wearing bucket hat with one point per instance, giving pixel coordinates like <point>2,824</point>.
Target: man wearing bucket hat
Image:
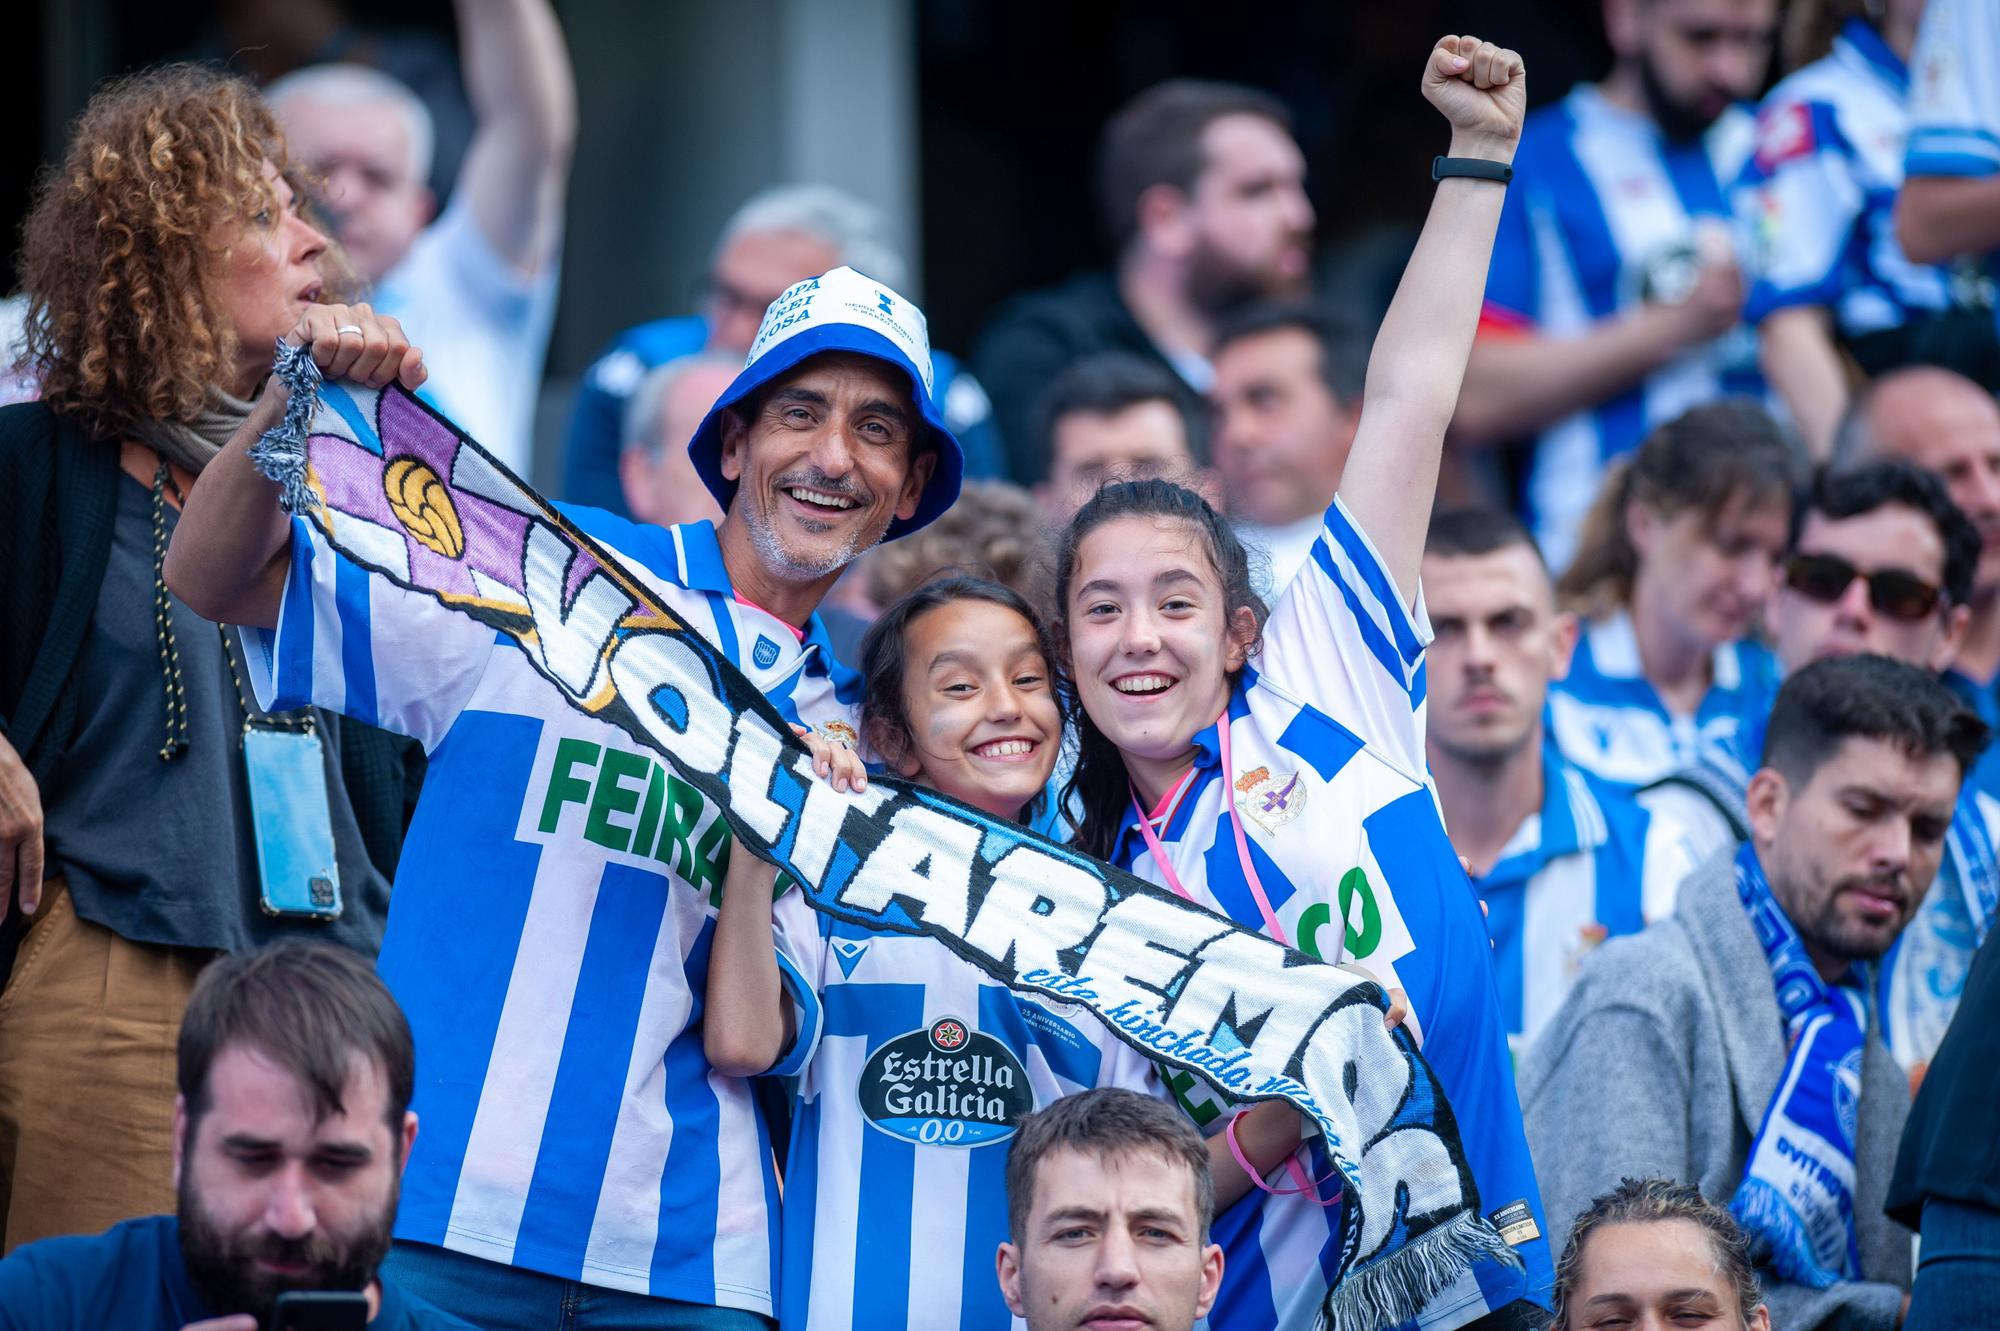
<point>582,1165</point>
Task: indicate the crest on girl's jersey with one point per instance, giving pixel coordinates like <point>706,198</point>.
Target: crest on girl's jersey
<point>1272,799</point>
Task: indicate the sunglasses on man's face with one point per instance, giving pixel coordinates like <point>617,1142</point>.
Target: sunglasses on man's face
<point>1891,591</point>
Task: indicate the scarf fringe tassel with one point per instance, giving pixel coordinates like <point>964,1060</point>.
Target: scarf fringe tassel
<point>1392,1289</point>
<point>281,453</point>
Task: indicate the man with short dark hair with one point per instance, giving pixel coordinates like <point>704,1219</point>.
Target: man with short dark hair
<point>290,1134</point>
<point>1286,399</point>
<point>1109,1200</point>
<point>1615,298</point>
<point>1881,562</point>
<point>1557,854</point>
<point>1112,416</point>
<point>1201,192</point>
<point>1734,1044</point>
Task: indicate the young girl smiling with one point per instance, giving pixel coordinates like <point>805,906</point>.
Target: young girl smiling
<point>911,1063</point>
<point>1272,767</point>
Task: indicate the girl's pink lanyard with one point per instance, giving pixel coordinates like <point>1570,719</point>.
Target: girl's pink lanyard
<point>1165,866</point>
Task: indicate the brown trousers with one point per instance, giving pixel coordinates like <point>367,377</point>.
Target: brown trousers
<point>88,1022</point>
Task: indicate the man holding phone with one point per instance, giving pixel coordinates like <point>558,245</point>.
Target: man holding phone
<point>290,1132</point>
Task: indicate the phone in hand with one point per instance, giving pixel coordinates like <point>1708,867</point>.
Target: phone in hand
<point>320,1310</point>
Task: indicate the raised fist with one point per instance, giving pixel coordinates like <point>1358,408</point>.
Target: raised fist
<point>1483,90</point>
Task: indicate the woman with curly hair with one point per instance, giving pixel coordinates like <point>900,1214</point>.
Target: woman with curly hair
<point>151,816</point>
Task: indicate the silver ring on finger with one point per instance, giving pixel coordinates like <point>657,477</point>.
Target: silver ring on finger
<point>345,329</point>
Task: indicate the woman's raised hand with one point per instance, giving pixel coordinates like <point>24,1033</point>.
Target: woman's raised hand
<point>1483,90</point>
<point>354,342</point>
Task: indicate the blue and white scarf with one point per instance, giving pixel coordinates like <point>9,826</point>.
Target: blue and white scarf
<point>1797,1196</point>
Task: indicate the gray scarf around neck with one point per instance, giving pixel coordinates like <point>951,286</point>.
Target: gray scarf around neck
<point>191,444</point>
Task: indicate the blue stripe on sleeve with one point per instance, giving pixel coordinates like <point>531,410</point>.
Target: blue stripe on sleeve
<point>811,1015</point>
<point>1371,633</point>
<point>357,654</point>
<point>583,1104</point>
<point>454,994</point>
<point>691,1184</point>
<point>1354,544</point>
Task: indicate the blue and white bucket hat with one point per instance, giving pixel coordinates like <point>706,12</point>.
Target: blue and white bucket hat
<point>840,311</point>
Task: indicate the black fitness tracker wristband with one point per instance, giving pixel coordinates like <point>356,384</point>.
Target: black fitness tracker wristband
<point>1476,168</point>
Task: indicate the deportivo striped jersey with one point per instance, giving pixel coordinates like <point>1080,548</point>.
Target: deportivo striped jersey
<point>1818,195</point>
<point>1608,719</point>
<point>1920,978</point>
<point>895,1188</point>
<point>1569,878</point>
<point>549,932</point>
<point>1327,768</point>
<point>1605,212</point>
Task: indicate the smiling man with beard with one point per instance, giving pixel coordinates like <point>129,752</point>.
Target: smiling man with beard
<point>1735,1045</point>
<point>290,1133</point>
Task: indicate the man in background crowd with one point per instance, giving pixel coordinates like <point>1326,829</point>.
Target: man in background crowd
<point>1109,1199</point>
<point>1730,1044</point>
<point>654,471</point>
<point>1286,399</point>
<point>1201,192</point>
<point>1112,416</point>
<point>781,236</point>
<point>291,1130</point>
<point>1556,854</point>
<point>476,287</point>
<point>1614,298</point>
<point>1949,426</point>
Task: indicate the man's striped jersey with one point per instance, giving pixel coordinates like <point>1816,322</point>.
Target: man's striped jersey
<point>1818,196</point>
<point>1327,769</point>
<point>1955,95</point>
<point>550,927</point>
<point>895,1188</point>
<point>1604,212</point>
<point>1608,719</point>
<point>1569,878</point>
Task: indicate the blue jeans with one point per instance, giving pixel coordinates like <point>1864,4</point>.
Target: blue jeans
<point>1958,1268</point>
<point>495,1297</point>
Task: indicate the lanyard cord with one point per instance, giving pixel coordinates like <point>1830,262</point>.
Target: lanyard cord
<point>1165,865</point>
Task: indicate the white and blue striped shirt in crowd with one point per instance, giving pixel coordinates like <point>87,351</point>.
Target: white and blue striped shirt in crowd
<point>1955,96</point>
<point>1328,771</point>
<point>1570,877</point>
<point>1919,980</point>
<point>1605,212</point>
<point>895,1188</point>
<point>550,929</point>
<point>1818,196</point>
<point>1608,719</point>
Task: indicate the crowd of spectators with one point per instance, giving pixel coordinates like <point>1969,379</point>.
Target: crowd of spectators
<point>1697,699</point>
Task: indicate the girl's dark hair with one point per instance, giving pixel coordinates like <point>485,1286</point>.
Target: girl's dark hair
<point>1703,461</point>
<point>1652,1201</point>
<point>885,717</point>
<point>1099,789</point>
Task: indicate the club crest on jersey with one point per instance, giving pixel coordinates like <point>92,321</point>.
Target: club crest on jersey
<point>765,653</point>
<point>947,1085</point>
<point>1271,798</point>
